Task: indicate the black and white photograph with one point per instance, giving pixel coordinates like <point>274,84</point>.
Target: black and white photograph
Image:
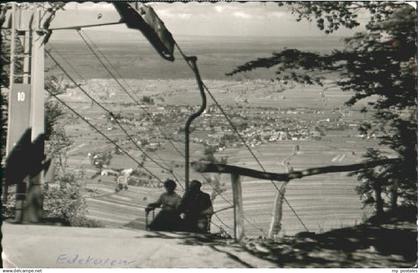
<point>202,134</point>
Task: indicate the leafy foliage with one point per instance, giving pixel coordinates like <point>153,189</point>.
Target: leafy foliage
<point>379,62</point>
<point>63,199</point>
<point>374,182</point>
<point>331,15</point>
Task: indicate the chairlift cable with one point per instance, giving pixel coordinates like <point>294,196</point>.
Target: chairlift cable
<point>91,45</point>
<point>118,146</point>
<point>88,41</point>
<point>106,110</point>
<point>130,95</point>
<point>110,140</point>
<point>214,99</point>
<point>59,53</point>
<point>223,223</point>
<point>80,76</point>
<point>104,135</point>
<point>239,135</point>
<point>135,100</point>
<point>252,153</point>
<point>245,218</point>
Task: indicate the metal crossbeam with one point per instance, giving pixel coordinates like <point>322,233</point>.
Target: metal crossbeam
<point>207,167</point>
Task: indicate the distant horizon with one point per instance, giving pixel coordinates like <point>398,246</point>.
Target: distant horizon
<point>125,35</point>
<point>234,35</point>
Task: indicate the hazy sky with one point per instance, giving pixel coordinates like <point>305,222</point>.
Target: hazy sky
<point>220,19</point>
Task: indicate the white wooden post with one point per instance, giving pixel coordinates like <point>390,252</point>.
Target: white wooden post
<point>27,59</point>
<point>34,200</point>
<point>9,145</point>
<point>277,214</point>
<point>238,210</point>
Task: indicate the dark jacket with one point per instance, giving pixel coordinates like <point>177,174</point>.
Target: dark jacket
<point>197,207</point>
<point>196,204</point>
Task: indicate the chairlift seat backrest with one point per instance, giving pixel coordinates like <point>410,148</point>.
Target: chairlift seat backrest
<point>146,20</point>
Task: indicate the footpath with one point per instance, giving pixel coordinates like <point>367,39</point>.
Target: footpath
<point>41,246</point>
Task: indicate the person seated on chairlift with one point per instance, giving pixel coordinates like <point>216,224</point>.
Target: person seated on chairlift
<point>168,217</point>
<point>196,209</point>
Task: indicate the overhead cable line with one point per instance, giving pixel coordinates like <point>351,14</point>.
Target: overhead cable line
<point>59,53</point>
<point>75,71</point>
<point>119,147</point>
<point>104,135</point>
<point>89,42</point>
<point>239,135</point>
<point>221,221</point>
<point>253,154</point>
<point>108,111</point>
<point>90,124</point>
<point>214,99</point>
<point>91,45</point>
<point>71,66</point>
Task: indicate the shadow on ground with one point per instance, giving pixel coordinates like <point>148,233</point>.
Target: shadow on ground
<point>389,242</point>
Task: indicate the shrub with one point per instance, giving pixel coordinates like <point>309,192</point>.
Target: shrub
<point>63,203</point>
<point>63,199</point>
